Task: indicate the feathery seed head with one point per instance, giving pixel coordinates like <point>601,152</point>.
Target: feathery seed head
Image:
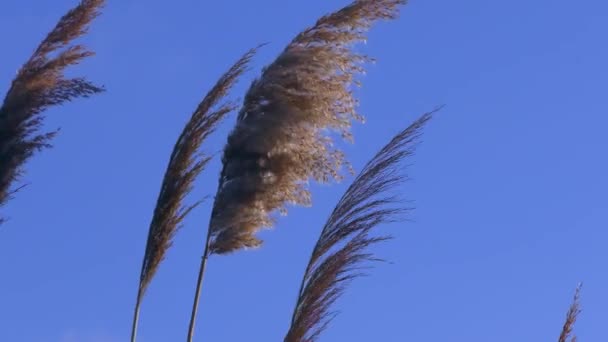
<point>185,164</point>
<point>283,135</point>
<point>40,84</point>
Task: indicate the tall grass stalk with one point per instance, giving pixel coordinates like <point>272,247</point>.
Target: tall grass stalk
<point>283,136</point>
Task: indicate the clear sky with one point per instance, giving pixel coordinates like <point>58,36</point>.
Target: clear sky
<point>510,182</point>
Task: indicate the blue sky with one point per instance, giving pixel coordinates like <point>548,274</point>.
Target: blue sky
<point>509,184</point>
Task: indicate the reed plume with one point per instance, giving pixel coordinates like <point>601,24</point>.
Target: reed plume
<point>283,135</point>
<point>40,84</point>
<point>284,131</point>
<point>185,164</point>
<point>342,248</point>
<point>567,330</point>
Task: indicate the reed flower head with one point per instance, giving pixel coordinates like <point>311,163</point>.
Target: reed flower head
<point>40,84</point>
<point>283,135</point>
<point>185,164</point>
<point>342,247</point>
<point>567,334</point>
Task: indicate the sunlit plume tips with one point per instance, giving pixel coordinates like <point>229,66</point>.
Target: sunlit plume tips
<point>284,131</point>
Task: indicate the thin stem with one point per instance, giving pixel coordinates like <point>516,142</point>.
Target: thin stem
<point>136,316</point>
<point>140,294</point>
<point>199,285</point>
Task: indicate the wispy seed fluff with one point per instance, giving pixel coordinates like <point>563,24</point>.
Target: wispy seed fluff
<point>283,135</point>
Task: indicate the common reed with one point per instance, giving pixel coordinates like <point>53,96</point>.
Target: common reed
<point>40,83</point>
<point>185,164</point>
<point>284,134</point>
<point>342,247</point>
<point>567,330</point>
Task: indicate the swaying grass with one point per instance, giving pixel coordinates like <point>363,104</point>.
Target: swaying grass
<point>283,134</point>
<point>567,331</point>
<point>342,247</point>
<point>40,84</point>
<point>185,164</point>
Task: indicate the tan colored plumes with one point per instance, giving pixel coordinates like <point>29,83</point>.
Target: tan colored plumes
<point>282,136</point>
<point>341,249</point>
<point>185,164</point>
<point>573,312</point>
<point>39,84</point>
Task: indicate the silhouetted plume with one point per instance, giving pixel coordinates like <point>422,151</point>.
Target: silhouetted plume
<point>39,84</point>
<point>185,164</point>
<point>341,250</point>
<point>282,136</point>
<point>573,312</point>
